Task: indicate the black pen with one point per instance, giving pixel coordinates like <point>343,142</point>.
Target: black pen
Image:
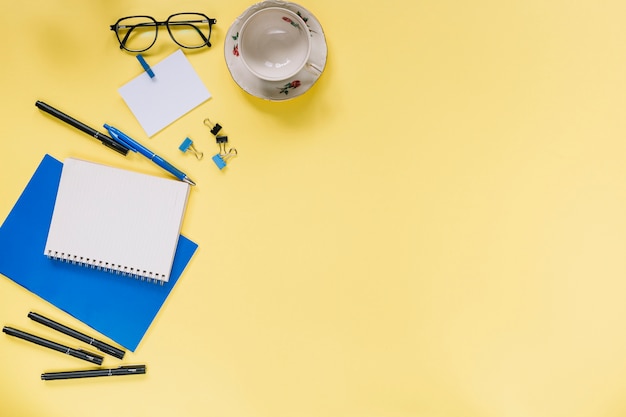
<point>90,373</point>
<point>101,346</point>
<point>106,140</point>
<point>77,353</point>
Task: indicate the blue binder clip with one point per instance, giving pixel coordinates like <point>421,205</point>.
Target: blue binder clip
<point>219,161</point>
<point>220,158</point>
<point>187,145</point>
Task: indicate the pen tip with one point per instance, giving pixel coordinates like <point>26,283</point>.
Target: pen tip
<point>188,181</point>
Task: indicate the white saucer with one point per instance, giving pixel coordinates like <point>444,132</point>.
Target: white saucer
<point>277,90</point>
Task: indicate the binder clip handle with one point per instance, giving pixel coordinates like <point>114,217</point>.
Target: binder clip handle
<point>220,159</point>
<point>215,128</point>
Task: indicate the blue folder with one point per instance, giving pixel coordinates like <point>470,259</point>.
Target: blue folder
<point>119,307</point>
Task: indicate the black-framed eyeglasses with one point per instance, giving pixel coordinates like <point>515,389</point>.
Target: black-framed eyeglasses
<point>188,30</point>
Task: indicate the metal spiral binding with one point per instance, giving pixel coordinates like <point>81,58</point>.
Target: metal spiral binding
<point>105,266</point>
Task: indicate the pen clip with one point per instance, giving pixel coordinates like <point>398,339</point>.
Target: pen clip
<point>91,357</point>
<point>138,367</point>
<point>118,138</point>
<point>132,369</point>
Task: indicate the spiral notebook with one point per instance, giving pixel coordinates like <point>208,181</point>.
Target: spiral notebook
<point>91,296</point>
<point>117,220</point>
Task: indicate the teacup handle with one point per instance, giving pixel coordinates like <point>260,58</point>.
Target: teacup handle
<point>313,69</point>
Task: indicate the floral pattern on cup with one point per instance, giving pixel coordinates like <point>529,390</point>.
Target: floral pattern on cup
<point>305,20</point>
<point>291,22</point>
<point>290,86</point>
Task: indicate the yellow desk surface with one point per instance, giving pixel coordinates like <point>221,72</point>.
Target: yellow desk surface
<point>437,228</point>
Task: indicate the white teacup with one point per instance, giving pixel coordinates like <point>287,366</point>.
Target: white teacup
<point>274,43</point>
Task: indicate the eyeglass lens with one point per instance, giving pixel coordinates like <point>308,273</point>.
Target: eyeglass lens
<point>136,33</point>
<point>139,33</point>
<point>189,30</point>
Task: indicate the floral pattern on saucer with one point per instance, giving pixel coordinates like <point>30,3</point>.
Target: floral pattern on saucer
<point>277,90</point>
<point>289,86</point>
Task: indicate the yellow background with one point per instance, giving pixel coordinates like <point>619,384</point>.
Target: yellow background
<point>437,228</point>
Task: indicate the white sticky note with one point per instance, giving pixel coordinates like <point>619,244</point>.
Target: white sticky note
<point>175,90</point>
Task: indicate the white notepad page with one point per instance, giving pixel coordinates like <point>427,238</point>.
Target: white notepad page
<point>118,220</point>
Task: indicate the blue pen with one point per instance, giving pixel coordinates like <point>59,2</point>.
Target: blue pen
<point>134,146</point>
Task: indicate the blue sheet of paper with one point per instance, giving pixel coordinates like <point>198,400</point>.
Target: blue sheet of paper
<point>119,307</point>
